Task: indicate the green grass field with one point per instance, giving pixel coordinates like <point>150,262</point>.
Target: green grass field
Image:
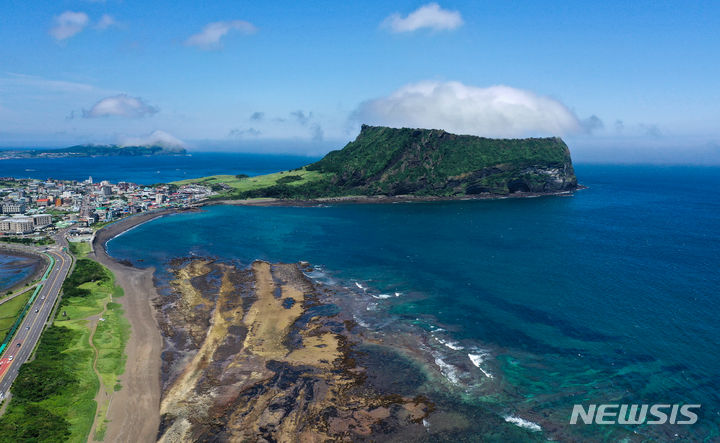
<point>41,413</point>
<point>258,182</point>
<point>79,249</point>
<point>9,312</point>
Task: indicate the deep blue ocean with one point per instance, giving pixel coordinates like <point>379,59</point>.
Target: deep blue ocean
<point>149,170</point>
<point>531,305</point>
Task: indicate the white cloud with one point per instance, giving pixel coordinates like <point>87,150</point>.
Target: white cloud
<point>121,105</point>
<point>496,111</point>
<point>68,24</point>
<point>17,81</point>
<point>210,36</point>
<point>156,138</point>
<point>430,16</point>
<point>106,21</point>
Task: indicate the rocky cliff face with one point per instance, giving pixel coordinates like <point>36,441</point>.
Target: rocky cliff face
<point>387,161</point>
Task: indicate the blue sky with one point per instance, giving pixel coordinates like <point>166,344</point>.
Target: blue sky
<point>620,81</point>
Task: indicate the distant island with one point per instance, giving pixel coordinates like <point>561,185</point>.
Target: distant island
<point>422,163</point>
<point>91,151</point>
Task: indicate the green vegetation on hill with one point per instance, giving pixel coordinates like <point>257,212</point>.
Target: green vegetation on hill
<point>421,162</point>
<point>386,161</point>
<point>277,185</point>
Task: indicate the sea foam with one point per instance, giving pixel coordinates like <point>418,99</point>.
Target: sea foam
<point>448,370</point>
<point>477,360</point>
<point>455,346</point>
<point>521,422</point>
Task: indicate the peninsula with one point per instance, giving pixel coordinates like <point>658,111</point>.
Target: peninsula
<point>91,151</point>
<point>419,163</point>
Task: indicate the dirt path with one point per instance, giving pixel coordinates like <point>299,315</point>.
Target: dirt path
<point>102,396</point>
<point>30,288</point>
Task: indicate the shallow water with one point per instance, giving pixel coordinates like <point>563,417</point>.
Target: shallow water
<point>609,296</point>
<point>14,269</point>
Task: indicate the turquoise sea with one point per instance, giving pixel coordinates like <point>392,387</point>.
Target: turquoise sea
<point>527,306</point>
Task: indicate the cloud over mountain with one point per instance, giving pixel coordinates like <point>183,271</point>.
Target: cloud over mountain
<point>121,105</point>
<point>156,138</point>
<point>211,35</point>
<point>495,111</point>
<point>430,16</point>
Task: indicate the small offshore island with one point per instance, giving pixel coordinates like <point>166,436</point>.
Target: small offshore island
<point>91,151</point>
<point>414,164</point>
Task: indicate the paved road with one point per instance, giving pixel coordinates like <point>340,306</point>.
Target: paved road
<point>32,326</point>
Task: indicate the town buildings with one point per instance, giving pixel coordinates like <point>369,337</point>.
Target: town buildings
<point>30,205</point>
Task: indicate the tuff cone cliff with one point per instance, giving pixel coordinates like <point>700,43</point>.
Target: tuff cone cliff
<point>386,161</point>
<point>416,162</point>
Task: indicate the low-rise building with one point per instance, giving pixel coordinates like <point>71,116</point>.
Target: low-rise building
<point>42,220</point>
<point>13,208</point>
<point>17,225</point>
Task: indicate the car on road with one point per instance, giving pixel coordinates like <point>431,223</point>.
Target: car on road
<point>18,345</point>
<point>27,327</point>
<point>37,310</point>
<point>10,358</point>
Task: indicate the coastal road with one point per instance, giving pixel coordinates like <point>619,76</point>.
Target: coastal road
<point>28,334</point>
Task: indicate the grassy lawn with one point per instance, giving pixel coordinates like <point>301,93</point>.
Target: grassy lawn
<point>9,312</point>
<point>45,410</point>
<point>110,338</point>
<point>79,249</point>
<point>260,181</point>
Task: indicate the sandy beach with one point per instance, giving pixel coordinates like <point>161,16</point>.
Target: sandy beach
<point>134,412</point>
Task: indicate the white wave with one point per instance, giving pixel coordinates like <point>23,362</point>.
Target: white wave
<point>477,360</point>
<point>381,296</point>
<point>455,346</point>
<point>521,422</point>
<point>360,286</point>
<point>360,322</point>
<point>371,307</point>
<point>449,371</point>
<point>398,294</point>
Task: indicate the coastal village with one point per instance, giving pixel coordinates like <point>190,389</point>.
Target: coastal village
<point>32,208</point>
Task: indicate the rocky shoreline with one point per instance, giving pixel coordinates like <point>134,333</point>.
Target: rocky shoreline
<point>384,199</point>
<point>203,360</point>
<point>248,356</point>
